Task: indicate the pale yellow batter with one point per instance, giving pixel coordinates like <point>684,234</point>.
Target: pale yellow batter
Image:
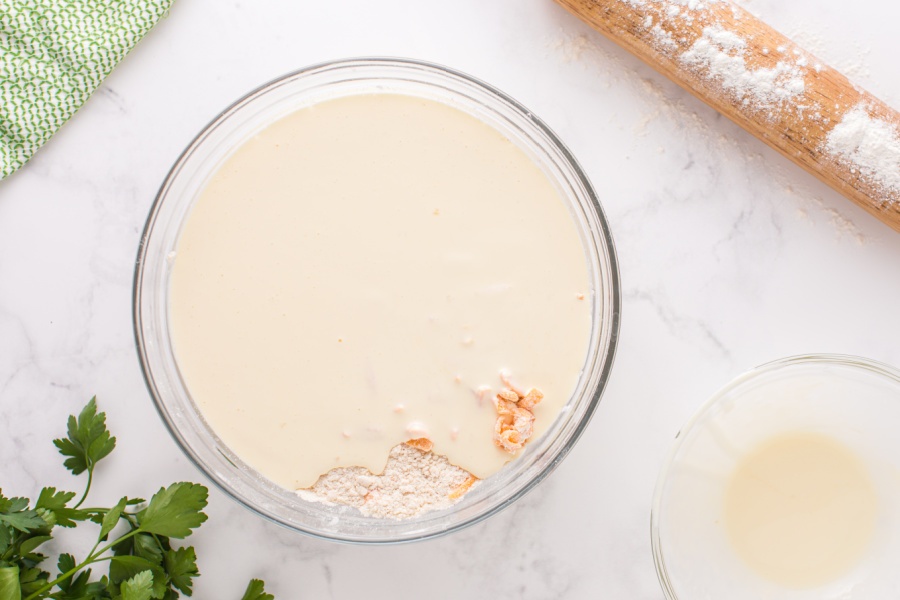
<point>352,275</point>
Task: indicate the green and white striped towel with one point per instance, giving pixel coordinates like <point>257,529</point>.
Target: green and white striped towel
<point>53,55</point>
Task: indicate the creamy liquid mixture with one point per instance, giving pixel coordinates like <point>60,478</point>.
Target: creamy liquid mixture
<point>801,509</point>
<point>353,273</point>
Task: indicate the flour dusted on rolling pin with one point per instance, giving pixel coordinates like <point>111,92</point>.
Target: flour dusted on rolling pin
<point>765,83</point>
<point>870,146</point>
<point>719,55</point>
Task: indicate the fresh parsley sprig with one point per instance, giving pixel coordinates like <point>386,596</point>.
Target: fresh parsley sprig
<point>142,563</point>
<point>88,442</point>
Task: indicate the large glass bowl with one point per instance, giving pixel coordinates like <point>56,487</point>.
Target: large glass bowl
<point>853,400</point>
<point>190,174</point>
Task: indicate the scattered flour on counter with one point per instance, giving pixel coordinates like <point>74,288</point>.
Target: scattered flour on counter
<point>413,482</point>
<point>574,47</point>
<point>805,198</point>
<point>719,54</point>
<point>590,51</point>
<point>870,146</point>
<point>843,225</point>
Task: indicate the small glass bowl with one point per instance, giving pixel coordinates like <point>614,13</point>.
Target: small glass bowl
<point>189,176</point>
<point>852,400</point>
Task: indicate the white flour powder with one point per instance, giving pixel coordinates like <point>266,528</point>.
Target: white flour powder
<point>672,36</point>
<point>684,124</point>
<point>719,55</point>
<point>870,146</point>
<point>663,38</point>
<point>413,482</point>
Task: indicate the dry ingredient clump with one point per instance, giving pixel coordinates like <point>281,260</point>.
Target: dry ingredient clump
<point>415,480</point>
<point>515,417</point>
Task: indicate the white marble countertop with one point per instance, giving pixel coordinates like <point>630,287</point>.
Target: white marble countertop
<point>730,257</point>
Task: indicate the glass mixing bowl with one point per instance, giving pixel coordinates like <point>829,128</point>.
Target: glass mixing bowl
<point>189,176</point>
<point>852,400</point>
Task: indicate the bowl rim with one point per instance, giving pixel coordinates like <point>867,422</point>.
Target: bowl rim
<point>845,360</point>
<point>603,232</point>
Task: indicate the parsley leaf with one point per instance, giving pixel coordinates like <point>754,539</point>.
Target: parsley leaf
<point>64,564</point>
<point>15,513</point>
<point>256,591</point>
<point>122,568</point>
<point>50,499</point>
<point>30,545</point>
<point>146,546</point>
<point>12,504</point>
<point>181,565</point>
<point>9,583</point>
<point>55,502</point>
<point>32,579</point>
<point>174,511</point>
<point>143,545</point>
<point>25,520</point>
<point>142,563</point>
<point>88,441</point>
<point>139,587</point>
<point>78,587</point>
<point>5,539</point>
<point>111,518</point>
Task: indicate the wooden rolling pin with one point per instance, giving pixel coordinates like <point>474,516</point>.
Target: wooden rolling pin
<point>766,84</point>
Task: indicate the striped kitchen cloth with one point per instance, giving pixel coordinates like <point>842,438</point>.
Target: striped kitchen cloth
<point>53,55</point>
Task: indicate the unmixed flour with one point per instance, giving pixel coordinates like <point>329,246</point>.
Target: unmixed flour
<point>413,482</point>
<point>869,146</point>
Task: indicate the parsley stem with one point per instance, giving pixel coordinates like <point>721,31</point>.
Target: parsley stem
<point>88,488</point>
<point>94,556</point>
<point>91,553</point>
<point>64,576</point>
<point>130,517</point>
